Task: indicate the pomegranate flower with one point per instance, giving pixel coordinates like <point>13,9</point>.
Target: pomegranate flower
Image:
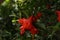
<point>27,24</point>
<point>58,15</point>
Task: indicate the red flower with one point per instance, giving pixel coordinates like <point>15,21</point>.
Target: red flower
<point>27,24</point>
<point>38,15</point>
<point>58,14</point>
<point>34,18</point>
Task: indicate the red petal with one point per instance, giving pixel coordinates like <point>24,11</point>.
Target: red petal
<point>58,19</point>
<point>20,21</point>
<point>38,15</point>
<point>22,30</point>
<point>34,30</point>
<point>58,14</point>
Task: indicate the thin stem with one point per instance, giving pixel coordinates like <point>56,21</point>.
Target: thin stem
<point>32,37</point>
